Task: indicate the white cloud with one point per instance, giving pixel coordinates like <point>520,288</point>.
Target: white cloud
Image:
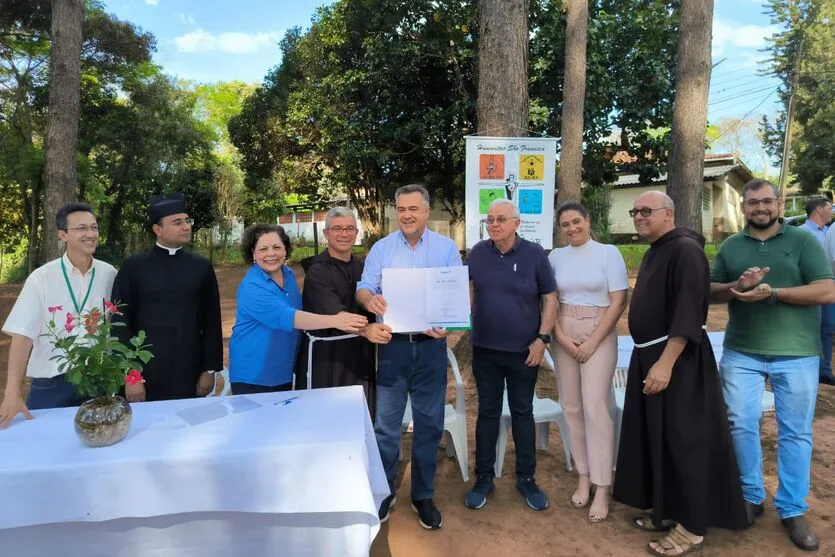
<point>152,2</point>
<point>727,35</point>
<point>186,19</point>
<point>231,42</point>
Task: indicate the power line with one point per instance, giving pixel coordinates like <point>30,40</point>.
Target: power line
<point>741,95</point>
<point>747,114</point>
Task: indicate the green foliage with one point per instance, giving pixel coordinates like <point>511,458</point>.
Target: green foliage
<point>598,202</point>
<point>634,253</point>
<point>15,263</point>
<point>94,361</point>
<point>810,23</point>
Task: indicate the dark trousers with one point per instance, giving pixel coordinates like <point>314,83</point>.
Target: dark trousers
<point>250,389</point>
<point>52,392</point>
<point>416,369</point>
<point>827,331</point>
<point>491,369</point>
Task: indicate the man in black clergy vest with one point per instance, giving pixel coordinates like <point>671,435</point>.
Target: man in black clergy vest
<point>172,295</point>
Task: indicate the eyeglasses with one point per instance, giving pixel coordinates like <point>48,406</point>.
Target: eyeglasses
<point>341,229</point>
<point>84,229</point>
<point>645,211</point>
<point>180,222</point>
<point>500,220</point>
<point>765,202</point>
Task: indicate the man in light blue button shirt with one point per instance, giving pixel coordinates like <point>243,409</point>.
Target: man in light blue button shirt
<point>818,217</point>
<point>412,364</point>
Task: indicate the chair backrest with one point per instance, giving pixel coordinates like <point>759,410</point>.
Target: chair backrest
<point>550,361</point>
<point>619,379</point>
<point>460,407</point>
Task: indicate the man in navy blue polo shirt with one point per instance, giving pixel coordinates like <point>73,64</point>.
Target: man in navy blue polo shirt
<point>514,308</point>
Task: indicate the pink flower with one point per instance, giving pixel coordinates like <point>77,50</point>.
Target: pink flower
<point>111,307</point>
<point>70,324</point>
<point>134,377</point>
<point>53,309</point>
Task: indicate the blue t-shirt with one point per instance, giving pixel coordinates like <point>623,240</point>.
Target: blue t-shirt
<point>508,288</point>
<point>264,343</point>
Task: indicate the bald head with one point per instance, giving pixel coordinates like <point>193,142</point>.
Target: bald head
<point>653,214</point>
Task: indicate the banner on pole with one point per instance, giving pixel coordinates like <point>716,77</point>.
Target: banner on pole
<point>521,169</point>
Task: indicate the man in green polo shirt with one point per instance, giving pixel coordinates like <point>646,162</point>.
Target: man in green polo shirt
<point>773,277</point>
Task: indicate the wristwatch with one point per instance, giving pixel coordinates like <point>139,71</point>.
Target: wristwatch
<point>772,298</point>
<point>544,338</point>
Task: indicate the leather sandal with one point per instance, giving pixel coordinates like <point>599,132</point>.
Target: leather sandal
<point>644,522</point>
<point>674,544</point>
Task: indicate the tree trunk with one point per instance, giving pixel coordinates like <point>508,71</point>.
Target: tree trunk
<point>62,131</point>
<point>687,150</point>
<point>502,105</point>
<point>573,96</point>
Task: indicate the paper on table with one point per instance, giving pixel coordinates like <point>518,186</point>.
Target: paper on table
<point>405,294</point>
<point>448,297</point>
<point>418,299</point>
<point>216,410</point>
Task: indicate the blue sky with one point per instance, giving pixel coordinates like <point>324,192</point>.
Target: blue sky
<point>210,40</point>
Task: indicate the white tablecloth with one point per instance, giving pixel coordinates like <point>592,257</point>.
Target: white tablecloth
<point>303,478</point>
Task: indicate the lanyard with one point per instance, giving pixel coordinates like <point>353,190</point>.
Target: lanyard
<point>72,294</point>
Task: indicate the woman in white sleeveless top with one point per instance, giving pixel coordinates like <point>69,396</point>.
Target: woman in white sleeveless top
<point>591,288</point>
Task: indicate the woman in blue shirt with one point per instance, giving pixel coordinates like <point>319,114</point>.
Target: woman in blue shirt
<point>266,334</point>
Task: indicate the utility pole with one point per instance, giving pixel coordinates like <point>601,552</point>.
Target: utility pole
<point>787,137</point>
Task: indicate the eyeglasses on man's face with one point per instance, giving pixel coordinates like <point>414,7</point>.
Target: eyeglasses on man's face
<point>501,219</point>
<point>766,202</point>
<point>341,229</point>
<point>179,223</point>
<point>84,229</point>
<point>644,211</point>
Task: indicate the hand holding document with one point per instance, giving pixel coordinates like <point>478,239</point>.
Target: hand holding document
<point>419,299</point>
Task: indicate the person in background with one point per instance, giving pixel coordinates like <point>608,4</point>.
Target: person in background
<point>591,284</point>
<point>73,284</point>
<point>266,334</point>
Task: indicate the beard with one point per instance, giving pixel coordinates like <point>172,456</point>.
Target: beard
<point>761,226</point>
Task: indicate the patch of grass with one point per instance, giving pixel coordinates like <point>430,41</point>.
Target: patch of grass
<point>633,253</point>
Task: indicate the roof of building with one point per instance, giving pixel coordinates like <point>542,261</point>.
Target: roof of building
<point>716,165</point>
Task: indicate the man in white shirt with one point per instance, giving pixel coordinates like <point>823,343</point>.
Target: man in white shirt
<point>74,283</point>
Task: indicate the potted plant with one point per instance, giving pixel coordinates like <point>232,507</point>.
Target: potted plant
<point>98,365</point>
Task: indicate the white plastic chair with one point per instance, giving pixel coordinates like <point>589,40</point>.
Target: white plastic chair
<point>545,411</point>
<point>455,421</point>
<point>227,386</point>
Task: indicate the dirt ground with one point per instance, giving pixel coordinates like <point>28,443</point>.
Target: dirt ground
<point>506,527</point>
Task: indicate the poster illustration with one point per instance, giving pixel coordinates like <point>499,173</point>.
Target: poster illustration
<point>519,169</point>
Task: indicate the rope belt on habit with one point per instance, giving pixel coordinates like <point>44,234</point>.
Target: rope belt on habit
<point>658,340</point>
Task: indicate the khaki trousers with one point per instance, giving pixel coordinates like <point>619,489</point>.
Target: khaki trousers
<point>584,391</point>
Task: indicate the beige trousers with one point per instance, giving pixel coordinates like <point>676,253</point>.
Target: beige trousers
<point>584,391</point>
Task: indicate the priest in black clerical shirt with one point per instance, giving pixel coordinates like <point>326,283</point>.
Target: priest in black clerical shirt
<point>172,295</point>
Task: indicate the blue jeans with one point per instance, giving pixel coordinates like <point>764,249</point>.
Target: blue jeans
<point>52,392</point>
<point>827,330</point>
<point>491,368</point>
<point>794,381</point>
<point>416,369</point>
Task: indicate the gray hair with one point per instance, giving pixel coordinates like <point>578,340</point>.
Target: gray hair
<point>413,188</point>
<point>667,201</point>
<point>502,201</point>
<point>336,212</point>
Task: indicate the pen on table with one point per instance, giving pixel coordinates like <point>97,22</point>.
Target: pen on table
<point>286,401</point>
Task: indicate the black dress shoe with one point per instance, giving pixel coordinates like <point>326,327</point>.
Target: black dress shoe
<point>753,511</point>
<point>428,514</point>
<point>826,380</point>
<point>800,534</point>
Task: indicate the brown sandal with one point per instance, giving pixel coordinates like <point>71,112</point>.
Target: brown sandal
<point>644,522</point>
<point>674,544</point>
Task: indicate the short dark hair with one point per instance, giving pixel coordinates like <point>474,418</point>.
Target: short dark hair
<point>814,203</point>
<point>68,209</point>
<point>572,206</point>
<point>254,232</point>
<point>757,184</point>
<point>413,188</point>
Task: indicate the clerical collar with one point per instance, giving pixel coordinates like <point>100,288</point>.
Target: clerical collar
<point>171,251</point>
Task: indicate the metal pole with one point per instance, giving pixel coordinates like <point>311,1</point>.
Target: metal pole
<point>787,138</point>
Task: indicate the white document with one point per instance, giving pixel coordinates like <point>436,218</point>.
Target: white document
<point>419,299</point>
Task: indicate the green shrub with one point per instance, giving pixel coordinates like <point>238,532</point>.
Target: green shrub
<point>15,264</point>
